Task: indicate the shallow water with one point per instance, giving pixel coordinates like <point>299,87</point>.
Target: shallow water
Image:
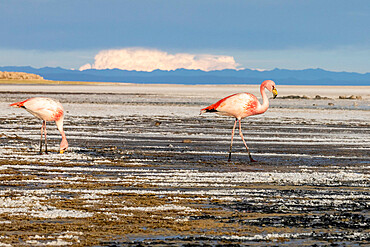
<point>145,168</point>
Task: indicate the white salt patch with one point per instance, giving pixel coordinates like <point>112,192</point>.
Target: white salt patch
<point>58,242</point>
<point>5,245</point>
<point>267,236</point>
<point>31,205</point>
<point>60,213</point>
<point>161,208</point>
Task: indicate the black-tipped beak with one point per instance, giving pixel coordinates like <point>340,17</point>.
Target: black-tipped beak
<point>274,92</point>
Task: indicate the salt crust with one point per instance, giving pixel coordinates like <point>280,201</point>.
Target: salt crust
<point>194,176</point>
<point>32,206</point>
<point>273,236</point>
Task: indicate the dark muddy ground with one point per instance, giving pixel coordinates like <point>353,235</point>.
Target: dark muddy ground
<point>147,170</point>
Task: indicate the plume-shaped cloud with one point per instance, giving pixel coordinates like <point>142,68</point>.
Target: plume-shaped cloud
<point>142,59</point>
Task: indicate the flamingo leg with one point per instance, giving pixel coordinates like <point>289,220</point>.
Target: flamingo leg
<point>232,137</point>
<point>245,144</point>
<point>42,129</point>
<point>46,142</point>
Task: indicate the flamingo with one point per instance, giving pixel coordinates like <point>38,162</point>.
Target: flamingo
<point>242,105</point>
<point>46,109</point>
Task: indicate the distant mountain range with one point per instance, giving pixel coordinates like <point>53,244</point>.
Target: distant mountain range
<point>191,77</point>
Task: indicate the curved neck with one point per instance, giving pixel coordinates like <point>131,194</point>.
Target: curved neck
<point>63,135</point>
<point>64,142</point>
<point>59,124</point>
<point>265,103</point>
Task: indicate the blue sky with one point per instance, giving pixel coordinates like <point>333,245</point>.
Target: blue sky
<point>261,34</point>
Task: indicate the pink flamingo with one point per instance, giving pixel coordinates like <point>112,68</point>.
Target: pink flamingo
<point>242,105</point>
<point>46,109</point>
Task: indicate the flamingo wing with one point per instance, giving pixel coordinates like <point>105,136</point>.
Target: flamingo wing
<point>237,105</point>
<point>44,108</point>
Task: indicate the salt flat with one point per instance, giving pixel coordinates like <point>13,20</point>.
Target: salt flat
<point>144,168</point>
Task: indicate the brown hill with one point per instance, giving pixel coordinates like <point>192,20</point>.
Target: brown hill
<point>4,75</point>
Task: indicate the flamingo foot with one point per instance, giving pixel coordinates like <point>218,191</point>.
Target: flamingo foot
<point>251,159</point>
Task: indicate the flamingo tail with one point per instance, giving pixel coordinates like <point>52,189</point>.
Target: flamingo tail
<point>213,107</point>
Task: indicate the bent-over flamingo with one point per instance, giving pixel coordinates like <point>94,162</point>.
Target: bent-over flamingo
<point>46,109</point>
<point>242,105</point>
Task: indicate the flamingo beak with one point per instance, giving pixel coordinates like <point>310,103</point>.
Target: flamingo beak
<point>15,105</point>
<point>274,92</point>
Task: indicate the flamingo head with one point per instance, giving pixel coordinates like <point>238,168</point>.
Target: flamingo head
<point>270,85</point>
<point>63,145</point>
<point>274,91</point>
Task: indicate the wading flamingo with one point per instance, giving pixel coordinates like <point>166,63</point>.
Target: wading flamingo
<point>46,109</point>
<point>242,105</point>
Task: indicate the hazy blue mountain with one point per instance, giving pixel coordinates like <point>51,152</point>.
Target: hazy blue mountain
<point>184,76</point>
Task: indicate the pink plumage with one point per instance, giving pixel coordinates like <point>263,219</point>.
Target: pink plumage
<point>236,105</point>
<point>242,105</point>
<point>46,109</point>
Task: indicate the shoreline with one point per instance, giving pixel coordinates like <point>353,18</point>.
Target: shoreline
<point>211,91</point>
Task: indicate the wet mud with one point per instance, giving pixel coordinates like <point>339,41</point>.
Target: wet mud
<point>162,178</point>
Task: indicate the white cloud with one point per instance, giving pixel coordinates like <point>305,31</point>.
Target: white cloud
<point>86,66</point>
<point>142,59</point>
